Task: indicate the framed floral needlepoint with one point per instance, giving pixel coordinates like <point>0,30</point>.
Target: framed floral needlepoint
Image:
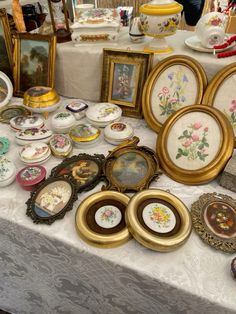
<point>174,83</point>
<point>194,144</point>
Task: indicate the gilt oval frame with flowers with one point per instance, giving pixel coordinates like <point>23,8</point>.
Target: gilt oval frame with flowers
<point>220,94</point>
<point>195,144</point>
<point>169,81</point>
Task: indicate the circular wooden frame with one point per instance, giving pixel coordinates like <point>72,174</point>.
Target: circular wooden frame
<point>142,233</point>
<point>208,172</point>
<point>8,83</point>
<point>188,62</point>
<point>215,84</point>
<point>101,239</point>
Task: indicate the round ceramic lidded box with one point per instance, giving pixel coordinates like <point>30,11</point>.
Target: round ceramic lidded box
<point>30,176</point>
<point>33,135</point>
<point>60,145</point>
<point>21,123</point>
<point>102,114</point>
<point>35,153</point>
<point>85,135</point>
<point>117,132</point>
<point>7,171</point>
<point>78,108</point>
<point>62,122</point>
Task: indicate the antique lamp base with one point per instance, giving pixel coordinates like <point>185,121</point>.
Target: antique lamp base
<point>158,45</point>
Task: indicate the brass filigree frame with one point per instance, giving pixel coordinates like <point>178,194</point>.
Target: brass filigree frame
<point>51,39</point>
<point>7,36</point>
<point>142,61</point>
<point>130,146</point>
<point>188,62</point>
<point>199,224</point>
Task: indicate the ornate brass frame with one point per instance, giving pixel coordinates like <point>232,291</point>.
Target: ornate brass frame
<point>149,239</point>
<point>129,146</point>
<point>97,158</point>
<point>190,63</point>
<point>19,111</point>
<point>207,173</point>
<point>49,220</point>
<point>102,240</point>
<point>199,224</point>
<point>142,61</point>
<point>51,39</point>
<point>215,84</point>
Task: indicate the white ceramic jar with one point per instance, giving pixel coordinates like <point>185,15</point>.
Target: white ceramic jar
<point>85,135</point>
<point>35,153</point>
<point>62,122</point>
<point>117,132</point>
<point>21,123</point>
<point>28,136</point>
<point>102,114</point>
<point>78,108</point>
<point>7,171</point>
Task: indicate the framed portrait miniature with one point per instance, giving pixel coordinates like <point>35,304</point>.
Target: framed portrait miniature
<point>158,220</point>
<point>130,167</point>
<point>214,220</point>
<point>174,83</point>
<point>100,219</point>
<point>124,75</point>
<point>34,61</point>
<point>6,53</point>
<point>220,93</point>
<point>51,200</point>
<point>195,144</point>
<point>85,169</point>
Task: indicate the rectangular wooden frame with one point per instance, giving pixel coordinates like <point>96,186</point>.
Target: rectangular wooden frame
<point>51,39</point>
<point>142,61</point>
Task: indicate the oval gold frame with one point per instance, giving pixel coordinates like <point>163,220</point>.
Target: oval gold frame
<point>149,240</point>
<point>190,63</point>
<point>93,238</point>
<point>215,84</point>
<point>209,172</point>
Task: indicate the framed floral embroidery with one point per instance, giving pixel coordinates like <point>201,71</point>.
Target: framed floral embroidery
<point>220,94</point>
<point>158,220</point>
<point>174,83</point>
<point>195,144</point>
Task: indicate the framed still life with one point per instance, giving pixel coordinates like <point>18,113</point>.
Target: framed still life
<point>195,144</point>
<point>174,83</point>
<point>34,61</point>
<point>124,75</point>
<point>220,93</point>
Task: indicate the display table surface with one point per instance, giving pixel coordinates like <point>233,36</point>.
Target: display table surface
<point>79,69</point>
<point>50,270</point>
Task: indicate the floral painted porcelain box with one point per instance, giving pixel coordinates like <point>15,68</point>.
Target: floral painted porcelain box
<point>96,25</point>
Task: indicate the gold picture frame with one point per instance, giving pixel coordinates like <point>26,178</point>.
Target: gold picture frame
<point>166,89</point>
<point>220,94</point>
<point>158,220</point>
<point>6,51</point>
<point>124,75</point>
<point>214,220</point>
<point>195,144</point>
<point>27,72</point>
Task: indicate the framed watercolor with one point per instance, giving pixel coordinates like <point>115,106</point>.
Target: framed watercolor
<point>11,111</point>
<point>34,61</point>
<point>6,89</point>
<point>85,169</point>
<point>6,55</point>
<point>158,220</point>
<point>129,167</point>
<point>220,94</point>
<point>195,144</point>
<point>124,75</point>
<point>51,200</point>
<point>100,219</point>
<point>174,83</point>
<point>214,220</point>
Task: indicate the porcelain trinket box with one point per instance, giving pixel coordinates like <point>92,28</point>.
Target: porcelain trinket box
<point>7,171</point>
<point>61,145</point>
<point>117,132</point>
<point>78,108</point>
<point>21,123</point>
<point>30,176</point>
<point>35,153</point>
<point>33,135</point>
<point>85,135</point>
<point>102,114</point>
<point>62,122</point>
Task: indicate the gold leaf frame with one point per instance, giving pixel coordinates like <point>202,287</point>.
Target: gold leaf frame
<point>156,73</point>
<point>208,172</point>
<point>51,39</point>
<point>7,36</point>
<point>142,63</point>
<point>200,226</point>
<point>216,83</point>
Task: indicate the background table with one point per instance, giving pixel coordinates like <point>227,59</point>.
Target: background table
<point>50,270</point>
<point>79,69</point>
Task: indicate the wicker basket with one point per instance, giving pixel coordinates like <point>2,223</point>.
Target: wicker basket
<point>115,3</point>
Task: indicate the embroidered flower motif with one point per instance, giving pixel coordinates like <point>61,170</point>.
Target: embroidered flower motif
<point>160,216</point>
<point>196,125</point>
<point>108,215</point>
<point>231,114</point>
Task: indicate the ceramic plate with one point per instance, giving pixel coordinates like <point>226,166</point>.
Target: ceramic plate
<point>194,43</point>
<point>6,89</point>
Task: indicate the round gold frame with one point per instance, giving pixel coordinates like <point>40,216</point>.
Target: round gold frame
<point>190,63</point>
<point>215,84</point>
<point>90,236</point>
<point>209,172</point>
<point>146,238</point>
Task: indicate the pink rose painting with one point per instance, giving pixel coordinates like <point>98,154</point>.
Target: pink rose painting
<point>231,113</point>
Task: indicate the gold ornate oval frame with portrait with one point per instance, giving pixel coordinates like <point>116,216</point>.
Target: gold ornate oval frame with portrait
<point>174,83</point>
<point>195,144</point>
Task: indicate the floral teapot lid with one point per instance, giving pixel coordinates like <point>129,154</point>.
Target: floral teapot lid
<point>161,7</point>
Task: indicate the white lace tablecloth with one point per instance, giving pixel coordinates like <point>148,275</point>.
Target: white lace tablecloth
<point>79,69</point>
<point>50,270</point>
